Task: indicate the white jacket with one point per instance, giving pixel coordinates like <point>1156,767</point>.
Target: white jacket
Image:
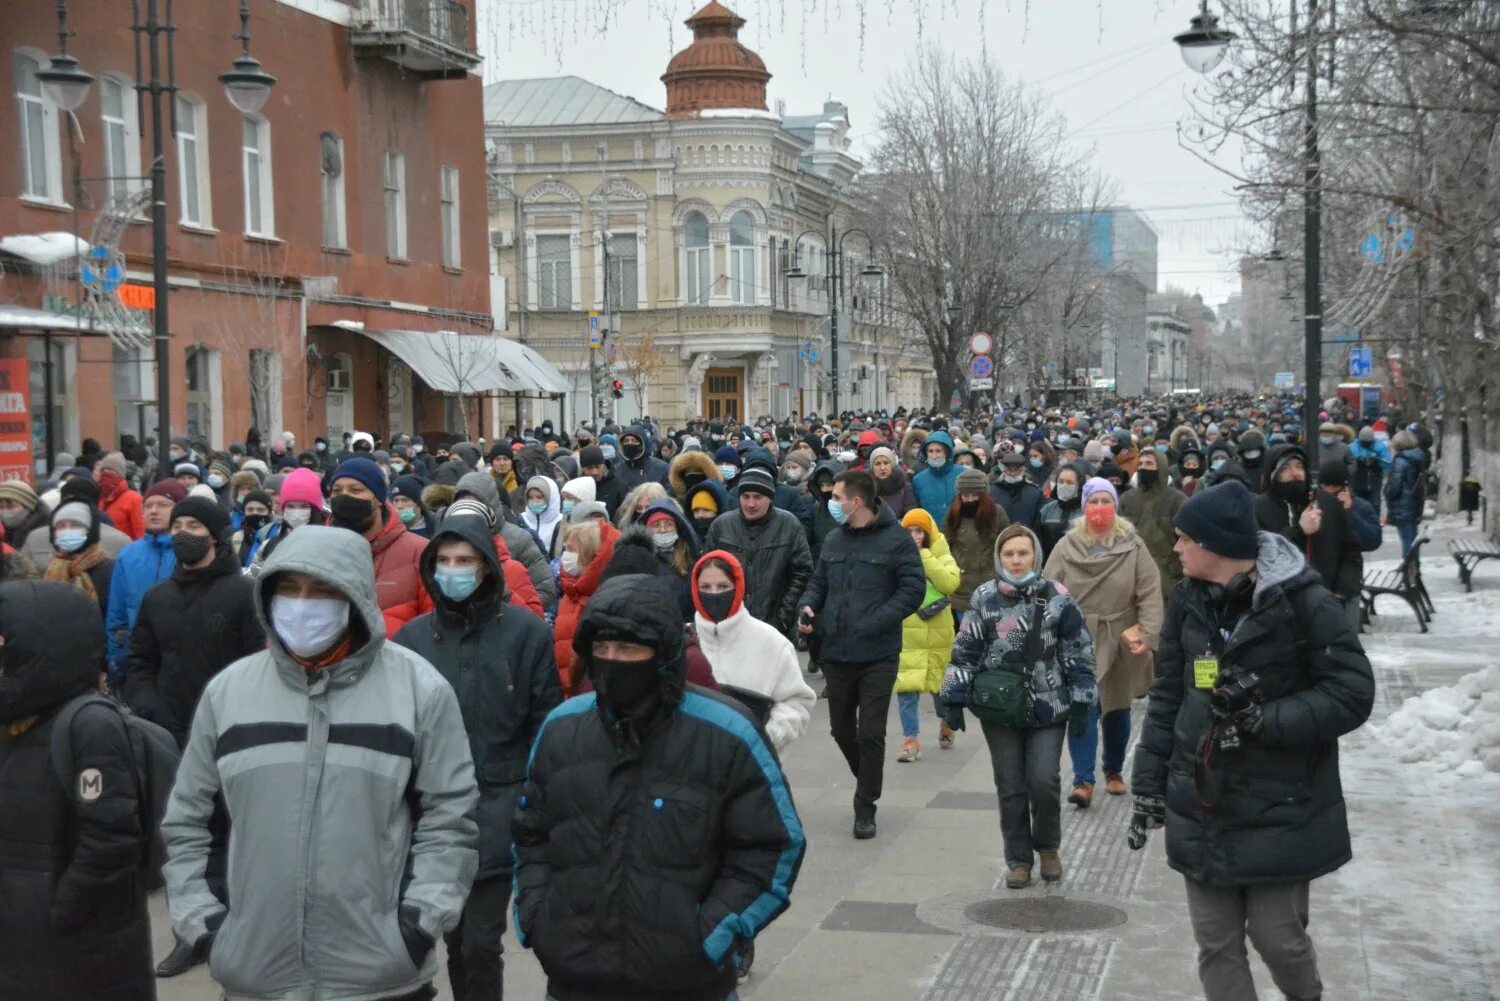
<point>747,653</point>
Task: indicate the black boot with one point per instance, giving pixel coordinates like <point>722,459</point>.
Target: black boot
<point>178,961</point>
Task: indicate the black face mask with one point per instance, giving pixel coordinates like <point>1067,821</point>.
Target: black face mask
<point>716,605</point>
<point>702,524</point>
<point>1190,470</point>
<point>632,451</point>
<point>628,688</point>
<point>254,523</point>
<point>1146,477</point>
<point>968,508</point>
<point>1291,491</point>
<point>190,548</point>
<point>692,479</point>
<point>353,513</point>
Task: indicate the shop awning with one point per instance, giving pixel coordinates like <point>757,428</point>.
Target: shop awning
<point>450,362</point>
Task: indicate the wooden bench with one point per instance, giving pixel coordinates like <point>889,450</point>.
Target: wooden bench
<point>1405,582</point>
<point>1468,554</point>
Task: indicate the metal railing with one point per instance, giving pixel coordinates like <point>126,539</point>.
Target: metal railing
<point>443,21</point>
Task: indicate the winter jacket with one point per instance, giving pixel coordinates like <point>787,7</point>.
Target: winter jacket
<point>645,851</point>
<point>1151,510</point>
<point>777,561</point>
<point>499,662</point>
<point>610,491</point>
<point>934,487</point>
<point>140,566</point>
<point>1369,463</point>
<point>753,661</point>
<point>1055,520</point>
<point>355,778</point>
<point>973,552</point>
<point>696,463</point>
<point>190,627</point>
<point>1022,501</point>
<point>993,638</point>
<point>822,522</point>
<point>520,542</point>
<point>896,493</point>
<point>1271,811</point>
<point>73,918</point>
<point>38,547</point>
<point>548,528</point>
<point>1403,487</point>
<point>1115,589</point>
<point>666,571</point>
<point>647,468</point>
<point>927,634</point>
<point>1333,551</point>
<point>125,513</point>
<point>398,584</point>
<point>576,594</point>
<point>1365,524</point>
<point>867,581</point>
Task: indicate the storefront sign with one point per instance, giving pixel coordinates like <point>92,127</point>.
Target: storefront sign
<point>15,420</point>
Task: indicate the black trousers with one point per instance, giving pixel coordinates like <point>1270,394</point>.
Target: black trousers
<point>475,966</point>
<point>859,701</point>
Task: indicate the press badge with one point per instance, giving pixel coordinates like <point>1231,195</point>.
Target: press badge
<point>1205,672</point>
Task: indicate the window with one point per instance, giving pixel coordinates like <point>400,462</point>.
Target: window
<point>742,259</point>
<point>450,216</point>
<point>260,215</point>
<point>623,271</point>
<point>698,257</point>
<point>395,205</point>
<point>122,146</point>
<point>554,271</point>
<point>41,170</point>
<point>192,161</point>
<point>331,155</point>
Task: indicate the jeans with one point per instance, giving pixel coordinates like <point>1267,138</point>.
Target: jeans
<point>909,705</point>
<point>1275,917</point>
<point>475,966</point>
<point>859,700</point>
<point>1407,530</point>
<point>1027,762</point>
<point>1083,750</point>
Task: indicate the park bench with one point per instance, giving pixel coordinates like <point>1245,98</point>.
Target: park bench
<point>1468,554</point>
<point>1405,582</point>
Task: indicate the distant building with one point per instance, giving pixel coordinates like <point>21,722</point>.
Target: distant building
<point>1122,250</point>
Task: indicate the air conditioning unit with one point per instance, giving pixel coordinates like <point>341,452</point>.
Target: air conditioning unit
<point>338,380</point>
<point>502,238</point>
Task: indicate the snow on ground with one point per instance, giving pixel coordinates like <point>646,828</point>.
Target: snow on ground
<point>1454,729</point>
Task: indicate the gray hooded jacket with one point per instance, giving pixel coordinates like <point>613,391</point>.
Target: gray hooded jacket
<point>519,541</point>
<point>351,795</point>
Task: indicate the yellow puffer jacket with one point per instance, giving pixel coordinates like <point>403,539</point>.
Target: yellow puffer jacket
<point>927,643</point>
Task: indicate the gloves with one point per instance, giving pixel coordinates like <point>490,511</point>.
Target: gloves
<point>1078,719</point>
<point>954,717</point>
<point>1150,812</point>
<point>1251,719</point>
<point>418,942</point>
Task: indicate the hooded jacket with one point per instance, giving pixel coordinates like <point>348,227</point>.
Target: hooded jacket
<point>546,529</point>
<point>140,566</point>
<point>1369,462</point>
<point>685,472</point>
<point>927,634</point>
<point>1151,510</point>
<point>1333,551</point>
<point>73,918</point>
<point>1257,467</point>
<point>1271,811</point>
<point>575,597</point>
<point>499,662</point>
<point>776,558</point>
<point>356,778</point>
<point>520,542</point>
<point>677,583</point>
<point>644,468</point>
<point>647,849</point>
<point>822,521</point>
<point>895,491</point>
<point>934,487</point>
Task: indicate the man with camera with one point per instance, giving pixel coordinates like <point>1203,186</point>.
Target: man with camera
<point>1257,676</point>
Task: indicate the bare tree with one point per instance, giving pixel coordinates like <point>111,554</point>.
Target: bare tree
<point>639,361</point>
<point>255,297</point>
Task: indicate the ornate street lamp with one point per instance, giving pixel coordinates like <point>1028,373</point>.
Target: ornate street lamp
<point>1204,44</point>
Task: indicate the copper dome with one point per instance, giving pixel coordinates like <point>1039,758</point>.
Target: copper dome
<point>716,71</point>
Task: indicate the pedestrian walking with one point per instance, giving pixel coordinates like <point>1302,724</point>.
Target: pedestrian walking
<point>1020,498</point>
<point>973,522</point>
<point>1369,458</point>
<point>1403,491</point>
<point>1315,522</point>
<point>770,545</point>
<point>140,566</point>
<point>891,482</point>
<point>587,549</point>
<point>936,484</point>
<point>1150,507</point>
<point>77,557</point>
<point>117,500</point>
<point>1061,512</point>
<point>927,633</point>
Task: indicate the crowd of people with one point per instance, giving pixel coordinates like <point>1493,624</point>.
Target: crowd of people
<point>412,688</point>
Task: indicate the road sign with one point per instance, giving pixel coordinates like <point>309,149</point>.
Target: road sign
<point>809,353</point>
<point>981,367</point>
<point>977,384</point>
<point>138,296</point>
<point>596,338</point>
<point>103,270</point>
<point>980,343</point>
<point>1361,363</point>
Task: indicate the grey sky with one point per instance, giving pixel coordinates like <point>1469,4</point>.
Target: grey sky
<point>1109,66</point>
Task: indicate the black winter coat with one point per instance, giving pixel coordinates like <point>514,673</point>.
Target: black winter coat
<point>866,582</point>
<point>1271,811</point>
<point>73,919</point>
<point>647,848</point>
<point>1333,551</point>
<point>499,660</point>
<point>190,627</point>
<point>821,521</point>
<point>610,492</point>
<point>1022,501</point>
<point>776,558</point>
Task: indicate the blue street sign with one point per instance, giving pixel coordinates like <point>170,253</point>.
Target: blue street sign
<point>981,366</point>
<point>595,339</point>
<point>809,353</point>
<point>1361,363</point>
<point>104,272</point>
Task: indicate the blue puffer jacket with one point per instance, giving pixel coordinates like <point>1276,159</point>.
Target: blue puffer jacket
<point>934,487</point>
<point>139,567</point>
<point>1403,489</point>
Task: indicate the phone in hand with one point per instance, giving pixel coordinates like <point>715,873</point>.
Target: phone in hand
<point>805,619</point>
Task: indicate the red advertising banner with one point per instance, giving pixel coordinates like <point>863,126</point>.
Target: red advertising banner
<point>15,420</point>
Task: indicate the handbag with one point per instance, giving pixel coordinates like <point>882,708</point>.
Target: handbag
<point>1003,697</point>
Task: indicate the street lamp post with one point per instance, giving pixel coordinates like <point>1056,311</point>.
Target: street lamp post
<point>834,273</point>
<point>1203,47</point>
<point>246,85</point>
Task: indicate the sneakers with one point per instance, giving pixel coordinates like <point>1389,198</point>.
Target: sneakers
<point>945,736</point>
<point>1082,795</point>
<point>1051,867</point>
<point>910,751</point>
<point>1018,877</point>
<point>1114,784</point>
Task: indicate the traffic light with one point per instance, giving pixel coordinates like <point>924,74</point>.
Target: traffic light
<point>617,389</point>
<point>601,381</point>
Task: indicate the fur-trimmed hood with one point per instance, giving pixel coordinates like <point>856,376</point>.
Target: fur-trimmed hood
<point>1343,431</point>
<point>1180,436</point>
<point>437,496</point>
<point>910,440</point>
<point>694,461</point>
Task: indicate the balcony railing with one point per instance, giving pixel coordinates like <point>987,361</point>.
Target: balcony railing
<point>428,37</point>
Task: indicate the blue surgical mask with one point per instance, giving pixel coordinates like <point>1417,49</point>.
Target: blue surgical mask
<point>836,511</point>
<point>407,515</point>
<point>938,462</point>
<point>1217,464</point>
<point>1162,449</point>
<point>537,507</point>
<point>1018,581</point>
<point>608,450</point>
<point>727,471</point>
<point>215,480</point>
<point>567,507</point>
<point>1037,463</point>
<point>1325,439</point>
<point>70,540</point>
<point>457,585</point>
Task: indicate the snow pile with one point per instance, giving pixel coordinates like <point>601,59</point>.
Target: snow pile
<point>44,248</point>
<point>1455,729</point>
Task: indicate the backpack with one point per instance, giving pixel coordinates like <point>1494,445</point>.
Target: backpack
<point>154,757</point>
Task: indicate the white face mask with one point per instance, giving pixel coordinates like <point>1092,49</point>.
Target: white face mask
<point>308,626</point>
<point>570,563</point>
<point>297,516</point>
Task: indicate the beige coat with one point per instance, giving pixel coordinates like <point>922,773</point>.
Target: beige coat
<point>1115,590</point>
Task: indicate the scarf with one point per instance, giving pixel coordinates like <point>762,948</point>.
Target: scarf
<point>111,486</point>
<point>75,570</point>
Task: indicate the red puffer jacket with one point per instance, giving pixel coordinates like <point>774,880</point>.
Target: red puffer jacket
<point>122,504</point>
<point>398,580</point>
<point>517,581</point>
<point>576,594</point>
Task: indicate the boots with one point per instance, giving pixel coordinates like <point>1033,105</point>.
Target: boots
<point>1114,784</point>
<point>945,736</point>
<point>1051,867</point>
<point>1082,795</point>
<point>911,750</point>
<point>178,961</point>
<point>1018,877</point>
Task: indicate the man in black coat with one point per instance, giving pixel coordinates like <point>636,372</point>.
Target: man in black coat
<point>770,544</point>
<point>1257,676</point>
<point>636,464</point>
<point>73,917</point>
<point>1313,521</point>
<point>609,490</point>
<point>1021,499</point>
<point>656,833</point>
<point>868,579</point>
<point>498,658</point>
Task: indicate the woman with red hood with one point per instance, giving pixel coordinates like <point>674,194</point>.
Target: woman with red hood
<point>116,499</point>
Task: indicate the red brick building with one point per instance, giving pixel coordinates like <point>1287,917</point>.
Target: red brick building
<point>307,245</point>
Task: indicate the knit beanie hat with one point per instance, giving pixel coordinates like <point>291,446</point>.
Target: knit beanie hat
<point>73,511</point>
<point>757,480</point>
<point>303,486</point>
<point>971,481</point>
<point>1099,485</point>
<point>186,468</point>
<point>728,455</point>
<point>366,472</point>
<point>114,462</point>
<point>1093,452</point>
<point>590,455</point>
<point>581,489</point>
<point>1367,435</point>
<point>1333,473</point>
<point>471,507</point>
<point>170,489</point>
<point>19,491</point>
<point>1220,519</point>
<point>584,510</point>
<point>208,512</point>
<point>222,467</point>
<point>876,453</point>
<point>704,500</point>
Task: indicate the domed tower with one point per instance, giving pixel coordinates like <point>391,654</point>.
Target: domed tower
<point>716,72</point>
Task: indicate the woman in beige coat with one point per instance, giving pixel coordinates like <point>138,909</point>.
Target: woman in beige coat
<point>1108,570</point>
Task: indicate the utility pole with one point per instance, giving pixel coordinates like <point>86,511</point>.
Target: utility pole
<point>161,332</point>
<point>1312,237</point>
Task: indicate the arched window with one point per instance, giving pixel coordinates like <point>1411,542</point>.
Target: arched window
<point>698,263</point>
<point>742,259</point>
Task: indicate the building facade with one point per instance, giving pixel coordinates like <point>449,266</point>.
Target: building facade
<point>301,240</point>
<point>679,234</point>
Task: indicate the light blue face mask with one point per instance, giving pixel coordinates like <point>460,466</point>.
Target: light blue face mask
<point>1217,464</point>
<point>567,507</point>
<point>70,540</point>
<point>937,463</point>
<point>836,511</point>
<point>728,472</point>
<point>537,507</point>
<point>1037,463</point>
<point>1325,439</point>
<point>457,585</point>
<point>1162,449</point>
<point>1018,581</point>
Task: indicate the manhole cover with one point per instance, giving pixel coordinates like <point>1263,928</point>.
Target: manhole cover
<point>1044,914</point>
